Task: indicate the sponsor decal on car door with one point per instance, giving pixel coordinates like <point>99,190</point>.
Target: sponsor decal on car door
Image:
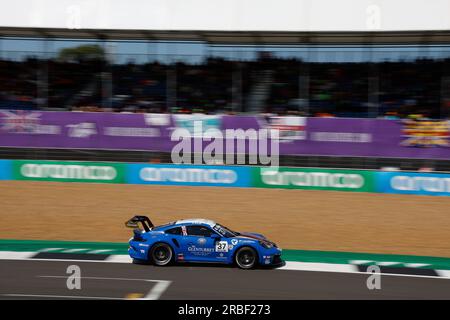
<point>198,248</point>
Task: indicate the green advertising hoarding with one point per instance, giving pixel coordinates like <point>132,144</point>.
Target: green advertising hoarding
<point>69,171</point>
<point>314,179</point>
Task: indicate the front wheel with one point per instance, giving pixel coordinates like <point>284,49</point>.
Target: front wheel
<point>161,254</point>
<point>246,258</point>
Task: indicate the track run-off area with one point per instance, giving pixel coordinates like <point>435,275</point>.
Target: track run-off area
<point>47,279</point>
<point>107,273</point>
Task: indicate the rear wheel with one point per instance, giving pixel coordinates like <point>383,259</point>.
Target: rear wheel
<point>246,258</point>
<point>161,254</point>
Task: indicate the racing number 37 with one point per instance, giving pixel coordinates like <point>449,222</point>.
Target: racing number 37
<point>221,246</point>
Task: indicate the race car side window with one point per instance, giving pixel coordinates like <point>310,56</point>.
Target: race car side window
<point>176,230</point>
<point>200,231</point>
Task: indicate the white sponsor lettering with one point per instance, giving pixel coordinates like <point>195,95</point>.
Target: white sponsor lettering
<point>419,183</point>
<point>200,251</point>
<point>59,171</point>
<point>82,130</point>
<point>355,137</point>
<point>312,179</point>
<point>157,119</point>
<point>188,175</point>
<point>289,128</point>
<point>131,132</point>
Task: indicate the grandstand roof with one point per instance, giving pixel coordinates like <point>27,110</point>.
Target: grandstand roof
<point>233,21</point>
<point>244,37</point>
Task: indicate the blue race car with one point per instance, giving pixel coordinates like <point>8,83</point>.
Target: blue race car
<point>199,240</point>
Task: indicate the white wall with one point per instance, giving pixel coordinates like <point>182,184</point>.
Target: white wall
<point>229,15</point>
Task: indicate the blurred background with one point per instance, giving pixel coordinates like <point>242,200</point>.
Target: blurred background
<point>362,76</point>
<point>361,80</point>
<point>352,86</point>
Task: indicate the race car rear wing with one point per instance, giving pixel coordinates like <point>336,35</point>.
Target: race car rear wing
<point>134,223</point>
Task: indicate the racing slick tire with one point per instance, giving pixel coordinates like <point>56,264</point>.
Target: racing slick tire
<point>161,254</point>
<point>246,258</point>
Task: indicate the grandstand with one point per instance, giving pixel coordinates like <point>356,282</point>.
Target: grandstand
<point>266,84</point>
<point>340,89</point>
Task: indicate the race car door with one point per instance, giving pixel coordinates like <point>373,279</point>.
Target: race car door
<point>198,245</point>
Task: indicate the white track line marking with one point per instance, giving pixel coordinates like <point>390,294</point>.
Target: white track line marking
<point>444,273</point>
<point>157,290</point>
<point>290,265</point>
<point>154,294</point>
<point>324,267</point>
<point>60,260</point>
<point>99,251</point>
<point>387,263</point>
<point>50,249</point>
<point>349,268</point>
<point>15,255</point>
<point>74,250</point>
<point>360,261</point>
<point>57,296</point>
<point>416,265</point>
<point>120,258</point>
<point>103,278</point>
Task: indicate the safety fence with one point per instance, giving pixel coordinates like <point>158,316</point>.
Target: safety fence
<point>228,176</point>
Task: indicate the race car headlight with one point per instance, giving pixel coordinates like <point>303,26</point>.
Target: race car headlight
<point>266,245</point>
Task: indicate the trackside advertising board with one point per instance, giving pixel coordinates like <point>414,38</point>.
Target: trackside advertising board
<point>69,171</point>
<point>314,179</point>
<point>413,183</point>
<point>427,139</point>
<point>436,184</point>
<point>189,175</point>
<point>5,170</point>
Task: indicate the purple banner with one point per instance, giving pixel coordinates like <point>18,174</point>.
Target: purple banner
<point>84,130</point>
<point>298,136</point>
<point>372,138</point>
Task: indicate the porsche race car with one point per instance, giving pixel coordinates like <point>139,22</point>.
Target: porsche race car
<point>199,240</point>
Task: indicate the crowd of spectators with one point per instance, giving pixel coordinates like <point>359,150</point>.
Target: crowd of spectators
<point>392,89</point>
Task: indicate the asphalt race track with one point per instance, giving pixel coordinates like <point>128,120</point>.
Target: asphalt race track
<point>28,279</point>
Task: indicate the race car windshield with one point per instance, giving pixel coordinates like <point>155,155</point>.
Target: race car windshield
<point>225,232</point>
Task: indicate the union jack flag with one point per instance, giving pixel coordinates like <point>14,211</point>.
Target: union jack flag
<point>20,121</point>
